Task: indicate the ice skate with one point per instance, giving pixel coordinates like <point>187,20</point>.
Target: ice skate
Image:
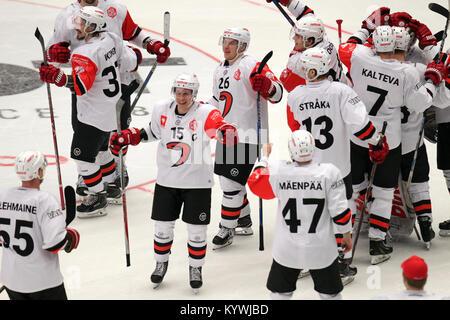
<point>444,228</point>
<point>426,230</point>
<point>195,278</point>
<point>379,252</point>
<point>304,273</point>
<point>113,194</point>
<point>346,271</point>
<point>223,238</point>
<point>93,205</point>
<point>159,273</point>
<point>244,227</point>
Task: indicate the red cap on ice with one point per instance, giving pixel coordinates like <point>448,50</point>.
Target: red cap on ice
<point>415,268</point>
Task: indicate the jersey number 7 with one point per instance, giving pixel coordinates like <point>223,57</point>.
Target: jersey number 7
<point>293,222</point>
<point>377,105</point>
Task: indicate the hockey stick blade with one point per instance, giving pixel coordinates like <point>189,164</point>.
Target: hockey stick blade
<point>435,7</point>
<point>264,61</point>
<point>69,196</point>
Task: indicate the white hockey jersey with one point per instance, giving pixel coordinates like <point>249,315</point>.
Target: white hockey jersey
<point>184,155</point>
<point>118,21</point>
<point>385,86</point>
<point>311,206</point>
<point>331,111</point>
<point>30,223</point>
<point>234,97</point>
<point>97,80</point>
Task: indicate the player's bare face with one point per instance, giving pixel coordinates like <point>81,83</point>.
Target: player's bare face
<point>183,98</point>
<point>299,42</point>
<point>79,27</point>
<point>230,48</point>
<point>84,3</point>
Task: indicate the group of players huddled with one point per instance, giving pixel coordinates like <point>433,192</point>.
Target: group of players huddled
<point>394,74</point>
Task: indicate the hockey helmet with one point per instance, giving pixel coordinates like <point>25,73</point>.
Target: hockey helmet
<point>317,59</point>
<point>242,35</point>
<point>309,27</point>
<point>301,146</point>
<point>402,38</point>
<point>93,16</point>
<point>28,163</point>
<point>384,39</point>
<point>186,81</point>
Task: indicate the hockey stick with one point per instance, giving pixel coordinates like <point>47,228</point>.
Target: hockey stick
<point>152,70</point>
<point>133,86</point>
<point>444,12</point>
<point>69,195</point>
<point>258,151</point>
<point>278,5</point>
<point>38,35</point>
<point>368,191</point>
<point>339,23</point>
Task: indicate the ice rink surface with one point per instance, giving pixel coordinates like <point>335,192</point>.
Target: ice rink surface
<point>97,270</point>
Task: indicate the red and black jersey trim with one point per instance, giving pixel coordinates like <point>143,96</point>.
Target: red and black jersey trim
<point>367,132</point>
<point>305,11</point>
<point>116,153</point>
<point>339,237</point>
<point>196,252</point>
<point>136,32</point>
<point>354,40</point>
<point>379,223</point>
<point>343,218</point>
<point>162,248</point>
<point>421,207</point>
<point>80,85</point>
<point>58,246</point>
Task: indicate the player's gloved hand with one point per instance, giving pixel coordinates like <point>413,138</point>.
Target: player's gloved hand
<point>138,56</point>
<point>227,135</point>
<point>128,136</point>
<point>436,72</point>
<point>52,74</point>
<point>378,18</point>
<point>423,34</point>
<point>399,19</point>
<point>263,85</point>
<point>157,47</point>
<point>282,2</point>
<point>59,52</point>
<point>73,239</point>
<point>379,152</point>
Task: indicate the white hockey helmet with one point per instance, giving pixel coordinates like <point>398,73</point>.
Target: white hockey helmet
<point>186,81</point>
<point>317,59</point>
<point>402,38</point>
<point>384,39</point>
<point>28,163</point>
<point>308,27</point>
<point>301,146</point>
<point>242,35</point>
<point>93,16</point>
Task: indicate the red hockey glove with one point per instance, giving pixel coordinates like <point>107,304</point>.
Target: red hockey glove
<point>73,239</point>
<point>378,18</point>
<point>436,72</point>
<point>399,19</point>
<point>283,2</point>
<point>128,136</point>
<point>423,34</point>
<point>51,74</point>
<point>379,152</point>
<point>157,47</point>
<point>227,135</point>
<point>59,52</point>
<point>263,85</point>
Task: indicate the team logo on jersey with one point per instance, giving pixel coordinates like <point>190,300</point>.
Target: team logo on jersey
<point>202,216</point>
<point>163,121</point>
<point>112,12</point>
<point>79,69</point>
<point>234,172</point>
<point>237,75</point>
<point>193,125</point>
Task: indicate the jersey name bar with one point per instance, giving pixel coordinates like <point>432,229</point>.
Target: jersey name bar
<point>18,207</point>
<point>303,185</point>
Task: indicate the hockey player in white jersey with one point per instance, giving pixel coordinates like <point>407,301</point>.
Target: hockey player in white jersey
<point>184,128</point>
<point>235,88</point>
<point>311,206</point>
<point>32,231</point>
<point>119,22</point>
<point>308,32</point>
<point>384,85</point>
<point>95,80</point>
<point>331,111</point>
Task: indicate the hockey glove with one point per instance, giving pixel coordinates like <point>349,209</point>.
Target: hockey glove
<point>227,135</point>
<point>283,2</point>
<point>73,239</point>
<point>157,47</point>
<point>263,85</point>
<point>128,136</point>
<point>59,52</point>
<point>436,72</point>
<point>423,34</point>
<point>378,18</point>
<point>51,74</point>
<point>138,56</point>
<point>399,19</point>
<point>379,152</point>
